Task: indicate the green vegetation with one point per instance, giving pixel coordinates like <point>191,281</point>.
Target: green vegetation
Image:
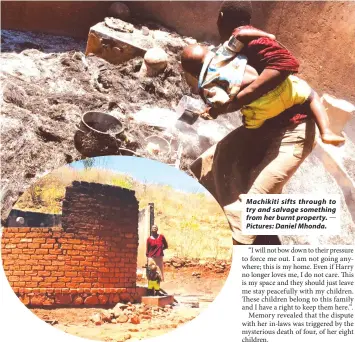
<point>193,223</point>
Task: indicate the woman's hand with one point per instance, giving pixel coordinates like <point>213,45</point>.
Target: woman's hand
<point>208,114</point>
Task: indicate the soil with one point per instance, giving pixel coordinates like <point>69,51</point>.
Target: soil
<point>47,88</point>
<point>181,283</point>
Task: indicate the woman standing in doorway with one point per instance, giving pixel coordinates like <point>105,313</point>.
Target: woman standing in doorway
<point>156,244</point>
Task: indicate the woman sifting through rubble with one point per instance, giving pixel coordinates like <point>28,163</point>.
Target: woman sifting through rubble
<point>259,160</point>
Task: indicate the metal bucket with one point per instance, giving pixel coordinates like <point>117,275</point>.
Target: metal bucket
<point>98,134</point>
<point>164,145</point>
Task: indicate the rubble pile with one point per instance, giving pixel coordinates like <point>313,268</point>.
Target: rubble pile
<point>137,313</point>
<point>199,266</point>
<point>48,84</point>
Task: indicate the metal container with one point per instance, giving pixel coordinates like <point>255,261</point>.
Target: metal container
<point>98,134</point>
<point>189,117</point>
<point>189,109</point>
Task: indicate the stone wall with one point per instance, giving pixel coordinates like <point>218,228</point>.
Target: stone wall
<point>90,260</point>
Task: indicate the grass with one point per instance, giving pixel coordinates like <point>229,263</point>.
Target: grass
<point>193,223</point>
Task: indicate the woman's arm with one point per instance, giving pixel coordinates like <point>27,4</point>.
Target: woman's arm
<point>269,79</point>
<point>246,34</point>
<point>165,243</point>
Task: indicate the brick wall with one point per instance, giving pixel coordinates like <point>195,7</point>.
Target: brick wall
<point>90,260</point>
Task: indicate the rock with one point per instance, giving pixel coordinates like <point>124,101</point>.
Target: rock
<point>155,62</point>
<point>106,316</point>
<point>168,307</point>
<point>38,300</point>
<point>122,319</point>
<point>96,318</point>
<point>103,299</point>
<point>120,10</point>
<point>190,41</point>
<point>25,300</point>
<point>176,264</point>
<point>133,329</point>
<point>20,220</point>
<point>145,30</point>
<point>146,316</point>
<point>114,320</point>
<point>63,299</point>
<point>114,298</point>
<point>125,297</point>
<point>135,319</point>
<point>91,300</point>
<point>78,300</point>
<point>118,309</point>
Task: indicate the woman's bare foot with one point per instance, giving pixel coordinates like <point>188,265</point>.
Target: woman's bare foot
<point>332,138</point>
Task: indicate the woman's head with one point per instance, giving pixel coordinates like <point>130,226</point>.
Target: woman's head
<point>233,14</point>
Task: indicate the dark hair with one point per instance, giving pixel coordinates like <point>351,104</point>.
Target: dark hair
<point>233,14</point>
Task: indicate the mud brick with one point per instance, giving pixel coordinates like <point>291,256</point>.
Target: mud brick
<point>44,262</point>
<point>25,267</point>
<point>47,245</point>
<point>59,285</point>
<point>86,263</point>
<point>51,268</point>
<point>58,263</point>
<point>9,262</point>
<point>78,258</point>
<point>71,274</point>
<point>77,280</point>
<point>38,267</point>
<point>64,279</point>
<point>38,279</point>
<point>36,257</point>
<point>39,240</point>
<point>33,235</point>
<point>41,251</point>
<point>5,251</point>
<point>50,240</point>
<point>44,273</point>
<point>51,279</point>
<point>55,251</point>
<point>18,273</point>
<point>10,246</point>
<point>30,284</point>
<point>73,252</point>
<point>18,235</point>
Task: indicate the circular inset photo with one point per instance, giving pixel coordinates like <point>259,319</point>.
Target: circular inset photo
<point>116,248</point>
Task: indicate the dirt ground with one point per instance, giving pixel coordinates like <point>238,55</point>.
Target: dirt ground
<point>186,288</point>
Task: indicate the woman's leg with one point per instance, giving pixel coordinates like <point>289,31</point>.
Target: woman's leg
<point>160,263</point>
<point>283,157</point>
